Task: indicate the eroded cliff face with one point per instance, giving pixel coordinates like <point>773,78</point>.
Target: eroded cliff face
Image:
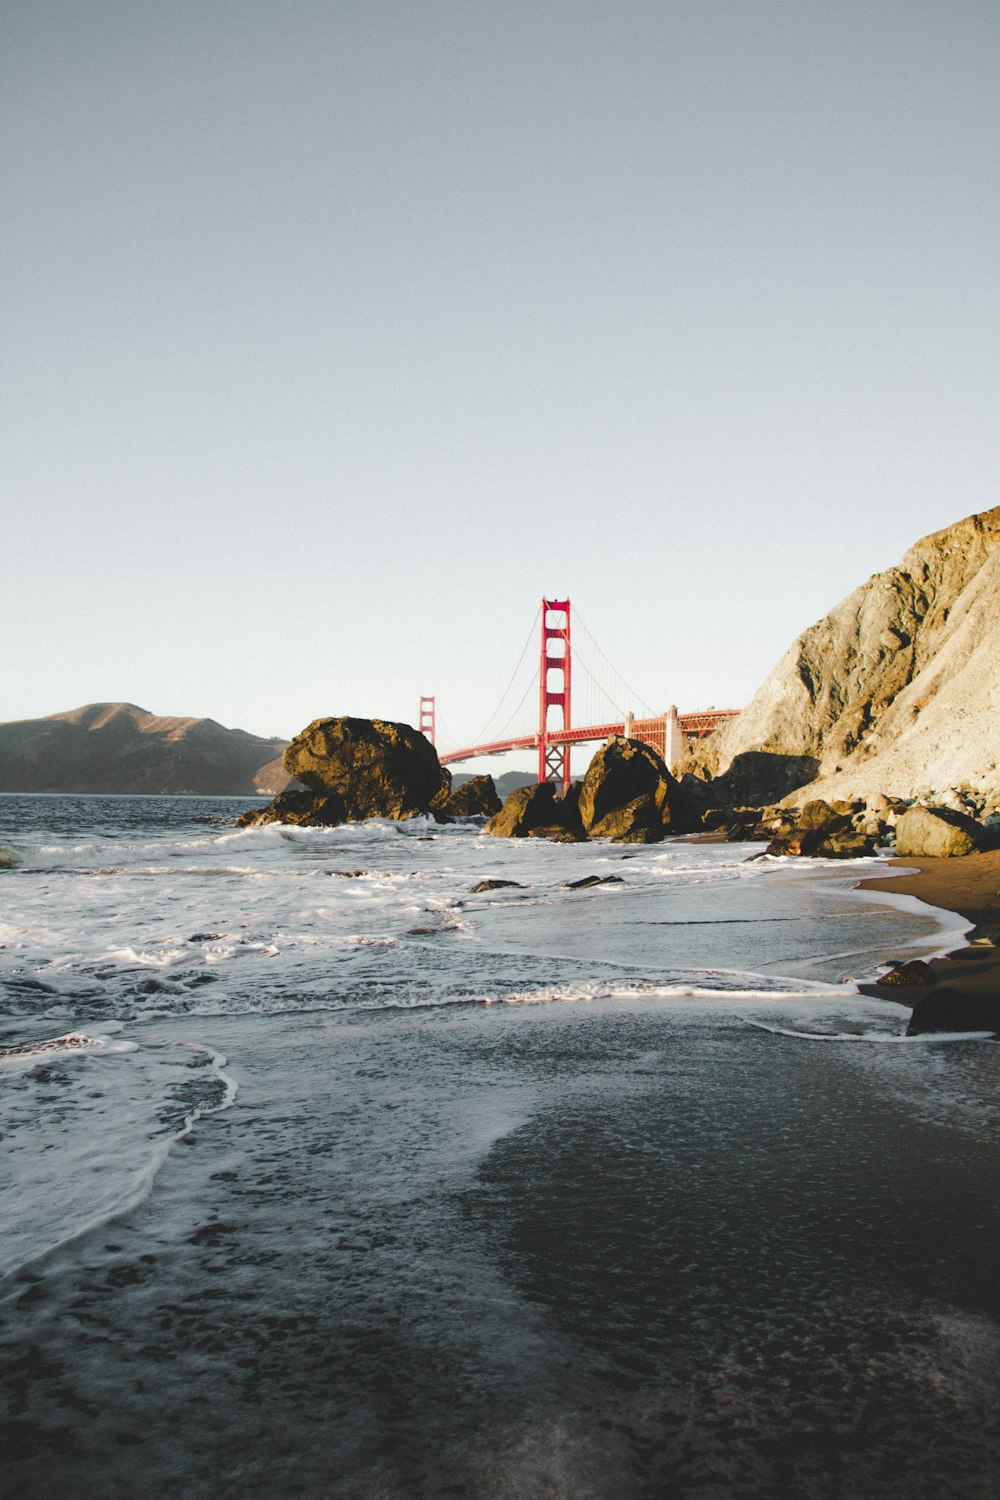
<point>897,690</point>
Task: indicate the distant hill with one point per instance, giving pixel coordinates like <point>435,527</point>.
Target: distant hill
<point>121,748</point>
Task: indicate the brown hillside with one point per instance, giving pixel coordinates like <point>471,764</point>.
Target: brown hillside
<point>896,690</point>
<point>121,748</point>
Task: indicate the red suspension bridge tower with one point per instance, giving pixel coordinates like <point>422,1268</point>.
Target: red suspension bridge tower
<point>428,717</point>
<point>554,674</point>
<point>667,733</point>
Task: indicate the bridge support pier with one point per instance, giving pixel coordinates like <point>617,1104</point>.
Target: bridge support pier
<point>674,742</point>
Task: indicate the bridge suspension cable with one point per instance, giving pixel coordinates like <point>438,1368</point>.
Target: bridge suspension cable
<point>532,685</point>
<point>605,687</point>
<point>635,698</point>
<point>578,661</point>
<point>480,738</point>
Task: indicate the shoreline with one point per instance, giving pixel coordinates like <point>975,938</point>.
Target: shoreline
<point>968,886</point>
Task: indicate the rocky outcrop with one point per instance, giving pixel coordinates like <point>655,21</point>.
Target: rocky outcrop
<point>949,1009</point>
<point>119,748</point>
<point>938,833</point>
<point>912,974</point>
<point>537,811</point>
<point>823,830</point>
<point>302,808</point>
<point>475,798</point>
<point>628,794</point>
<point>380,769</point>
<point>353,769</point>
<point>896,691</point>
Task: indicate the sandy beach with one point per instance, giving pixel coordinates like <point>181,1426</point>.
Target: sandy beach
<point>971,887</point>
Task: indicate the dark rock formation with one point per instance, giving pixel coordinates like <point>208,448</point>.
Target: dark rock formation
<point>946,1009</point>
<point>912,975</point>
<point>938,833</point>
<point>496,885</point>
<point>638,822</point>
<point>589,881</point>
<point>305,809</point>
<point>533,808</point>
<point>846,843</point>
<point>380,769</point>
<point>820,816</point>
<point>476,797</point>
<point>354,769</point>
<point>628,794</point>
<point>120,748</point>
<point>839,844</point>
<point>824,830</point>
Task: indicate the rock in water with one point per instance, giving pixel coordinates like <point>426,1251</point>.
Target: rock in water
<point>380,769</point>
<point>354,769</point>
<point>938,833</point>
<point>476,797</point>
<point>304,809</point>
<point>628,794</point>
<point>526,808</point>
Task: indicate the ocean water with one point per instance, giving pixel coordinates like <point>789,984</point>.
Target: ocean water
<point>324,1175</point>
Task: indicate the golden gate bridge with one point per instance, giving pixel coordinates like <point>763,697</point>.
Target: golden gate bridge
<point>553,733</point>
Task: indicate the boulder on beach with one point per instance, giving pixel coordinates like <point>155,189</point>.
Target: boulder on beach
<point>628,794</point>
<point>355,769</point>
<point>839,843</point>
<point>475,798</point>
<point>938,833</point>
<point>948,1009</point>
<point>821,817</point>
<point>911,974</point>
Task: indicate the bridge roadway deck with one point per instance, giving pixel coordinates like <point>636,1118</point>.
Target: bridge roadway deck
<point>652,731</point>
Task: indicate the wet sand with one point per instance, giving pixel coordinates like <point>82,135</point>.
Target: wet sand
<point>971,887</point>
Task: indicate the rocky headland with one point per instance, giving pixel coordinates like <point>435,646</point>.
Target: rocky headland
<point>896,692</point>
<point>119,748</point>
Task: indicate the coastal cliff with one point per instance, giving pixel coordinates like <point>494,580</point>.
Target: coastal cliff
<point>896,690</point>
<point>121,748</point>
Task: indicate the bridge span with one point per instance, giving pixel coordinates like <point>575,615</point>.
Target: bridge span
<point>668,733</point>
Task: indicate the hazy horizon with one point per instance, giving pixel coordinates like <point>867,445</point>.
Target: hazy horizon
<point>337,335</point>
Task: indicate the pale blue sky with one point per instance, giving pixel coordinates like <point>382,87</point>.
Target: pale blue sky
<point>336,334</point>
